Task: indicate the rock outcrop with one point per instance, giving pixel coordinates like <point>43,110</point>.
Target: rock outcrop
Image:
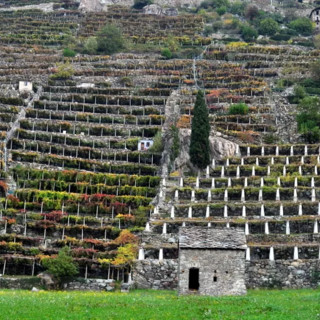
<point>219,148</point>
<point>157,10</point>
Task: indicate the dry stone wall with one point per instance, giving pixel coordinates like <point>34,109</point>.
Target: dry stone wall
<point>155,274</point>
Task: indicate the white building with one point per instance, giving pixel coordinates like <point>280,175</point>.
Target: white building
<point>25,86</point>
<point>145,144</point>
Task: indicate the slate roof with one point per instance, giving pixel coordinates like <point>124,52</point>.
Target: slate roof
<point>211,238</point>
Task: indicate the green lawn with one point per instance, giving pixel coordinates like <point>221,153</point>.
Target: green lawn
<point>260,304</point>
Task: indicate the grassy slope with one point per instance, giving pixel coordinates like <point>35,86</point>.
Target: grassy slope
<point>138,305</point>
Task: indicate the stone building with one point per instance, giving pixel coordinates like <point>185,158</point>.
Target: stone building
<point>211,261</point>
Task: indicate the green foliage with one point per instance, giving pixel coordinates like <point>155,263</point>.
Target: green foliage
<point>237,8</point>
<point>302,25</point>
<point>221,10</point>
<point>213,4</point>
<point>238,108</point>
<point>110,40</point>
<point>268,27</point>
<point>139,4</point>
<point>61,267</point>
<point>91,45</point>
<point>175,147</point>
<point>166,53</point>
<point>248,33</point>
<point>299,93</point>
<point>200,130</point>
<point>157,143</point>
<point>64,71</point>
<point>67,52</point>
<point>309,119</point>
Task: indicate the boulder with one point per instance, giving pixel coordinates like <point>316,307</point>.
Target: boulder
<point>47,280</point>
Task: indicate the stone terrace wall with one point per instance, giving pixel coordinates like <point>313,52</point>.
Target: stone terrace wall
<point>283,273</point>
<point>155,274</point>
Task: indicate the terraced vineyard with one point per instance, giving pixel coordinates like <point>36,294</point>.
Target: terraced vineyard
<point>73,172</point>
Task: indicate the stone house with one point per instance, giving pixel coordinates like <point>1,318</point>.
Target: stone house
<point>211,261</point>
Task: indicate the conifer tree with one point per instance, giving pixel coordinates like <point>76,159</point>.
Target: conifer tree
<point>199,145</point>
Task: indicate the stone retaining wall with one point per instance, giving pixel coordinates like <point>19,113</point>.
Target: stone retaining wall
<point>283,273</point>
<point>155,274</point>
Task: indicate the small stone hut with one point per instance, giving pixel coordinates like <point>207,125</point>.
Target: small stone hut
<point>211,261</point>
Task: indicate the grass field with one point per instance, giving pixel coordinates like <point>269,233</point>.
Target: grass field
<point>138,305</point>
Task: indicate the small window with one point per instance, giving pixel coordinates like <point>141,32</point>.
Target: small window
<point>148,144</point>
<point>25,83</point>
<point>215,279</point>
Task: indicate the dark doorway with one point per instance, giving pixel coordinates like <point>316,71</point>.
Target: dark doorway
<point>194,279</point>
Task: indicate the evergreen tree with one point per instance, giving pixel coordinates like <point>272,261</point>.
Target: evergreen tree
<point>199,144</point>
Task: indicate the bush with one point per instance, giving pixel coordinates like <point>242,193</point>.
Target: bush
<point>268,27</point>
<point>221,10</point>
<point>64,71</point>
<point>139,4</point>
<point>61,267</point>
<point>69,53</point>
<point>166,53</point>
<point>91,46</point>
<point>110,40</point>
<point>238,108</point>
<point>302,25</point>
<point>309,119</point>
<point>248,33</point>
<point>157,143</point>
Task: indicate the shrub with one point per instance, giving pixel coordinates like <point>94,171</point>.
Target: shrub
<point>61,267</point>
<point>166,53</point>
<point>157,143</point>
<point>248,33</point>
<point>221,10</point>
<point>309,119</point>
<point>67,52</point>
<point>139,4</point>
<point>110,40</point>
<point>251,12</point>
<point>200,130</point>
<point>302,25</point>
<point>268,27</point>
<point>299,93</point>
<point>238,108</point>
<point>64,71</point>
<point>91,45</point>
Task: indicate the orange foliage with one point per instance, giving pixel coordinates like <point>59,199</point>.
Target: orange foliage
<point>184,122</point>
<point>126,237</point>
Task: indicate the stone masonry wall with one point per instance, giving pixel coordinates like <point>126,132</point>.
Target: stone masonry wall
<point>221,272</point>
<point>155,274</point>
<point>283,273</point>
